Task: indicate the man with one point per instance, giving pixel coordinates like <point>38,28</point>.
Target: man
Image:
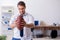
<point>28,23</point>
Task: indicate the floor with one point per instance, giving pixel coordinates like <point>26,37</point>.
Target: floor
<point>47,38</point>
<point>44,38</point>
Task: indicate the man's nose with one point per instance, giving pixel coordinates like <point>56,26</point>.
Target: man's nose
<point>21,10</point>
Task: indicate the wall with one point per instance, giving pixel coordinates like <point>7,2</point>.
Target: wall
<point>46,10</point>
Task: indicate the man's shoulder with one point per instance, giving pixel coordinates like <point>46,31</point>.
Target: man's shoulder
<point>15,15</point>
<point>28,14</point>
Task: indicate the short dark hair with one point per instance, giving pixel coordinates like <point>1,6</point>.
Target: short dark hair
<point>21,3</point>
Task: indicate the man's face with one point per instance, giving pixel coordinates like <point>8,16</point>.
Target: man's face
<point>21,9</point>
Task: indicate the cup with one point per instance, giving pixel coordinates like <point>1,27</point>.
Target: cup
<point>36,22</point>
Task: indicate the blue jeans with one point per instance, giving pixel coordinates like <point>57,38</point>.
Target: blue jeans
<point>15,39</point>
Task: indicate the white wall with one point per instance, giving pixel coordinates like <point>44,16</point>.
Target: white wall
<point>46,10</point>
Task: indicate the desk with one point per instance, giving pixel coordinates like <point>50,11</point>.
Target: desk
<point>47,27</point>
<point>43,28</point>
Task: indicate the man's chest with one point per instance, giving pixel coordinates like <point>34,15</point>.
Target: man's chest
<point>26,18</point>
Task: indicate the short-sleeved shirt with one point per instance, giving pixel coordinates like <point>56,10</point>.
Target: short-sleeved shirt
<point>27,31</point>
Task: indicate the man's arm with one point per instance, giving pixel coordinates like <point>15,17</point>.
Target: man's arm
<point>31,25</point>
<point>13,24</point>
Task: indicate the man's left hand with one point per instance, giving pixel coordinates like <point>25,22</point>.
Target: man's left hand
<point>23,23</point>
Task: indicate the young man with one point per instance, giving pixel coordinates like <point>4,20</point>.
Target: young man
<point>28,23</point>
